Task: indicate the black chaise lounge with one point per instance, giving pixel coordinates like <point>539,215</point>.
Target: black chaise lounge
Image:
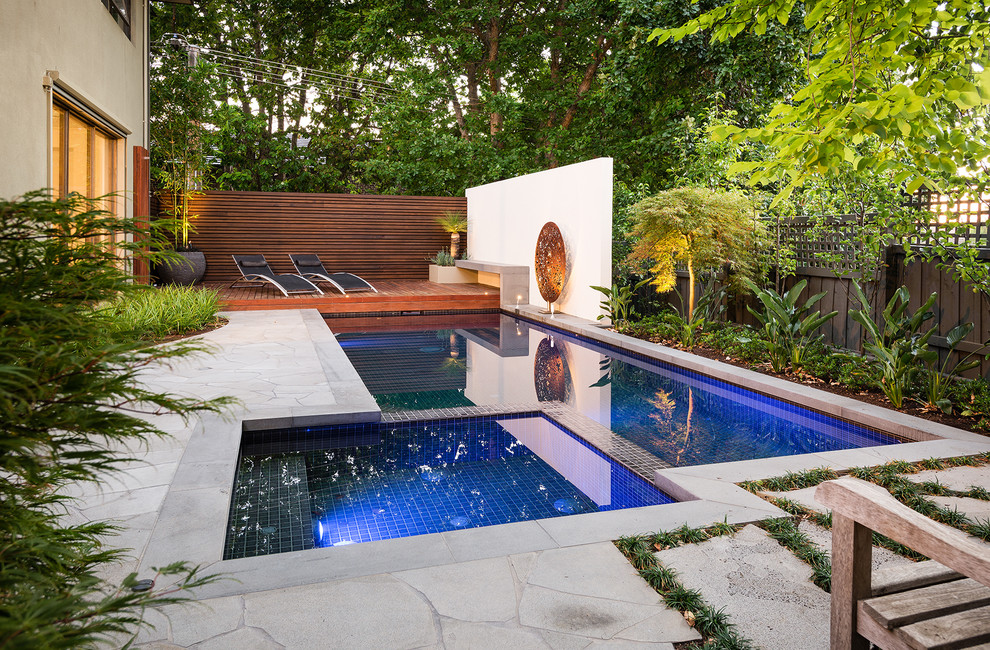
<point>311,268</point>
<point>255,268</point>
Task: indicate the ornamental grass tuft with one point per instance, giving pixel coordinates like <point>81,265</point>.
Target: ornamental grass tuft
<point>156,313</point>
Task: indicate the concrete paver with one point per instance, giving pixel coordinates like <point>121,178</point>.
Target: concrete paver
<point>763,587</point>
<point>804,497</point>
<point>976,510</point>
<point>955,478</point>
<point>823,539</point>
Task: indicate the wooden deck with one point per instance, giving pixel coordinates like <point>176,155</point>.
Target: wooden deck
<point>392,296</point>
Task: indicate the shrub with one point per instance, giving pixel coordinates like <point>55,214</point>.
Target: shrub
<point>68,397</point>
<point>442,258</point>
<point>664,326</point>
<point>737,341</point>
<point>788,327</point>
<point>154,313</point>
<point>898,345</point>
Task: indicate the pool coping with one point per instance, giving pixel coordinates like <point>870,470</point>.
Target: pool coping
<point>191,523</point>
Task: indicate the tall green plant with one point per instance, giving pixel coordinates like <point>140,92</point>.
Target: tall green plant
<point>788,327</point>
<point>618,302</point>
<point>454,223</point>
<point>899,345</point>
<point>939,376</point>
<point>179,144</point>
<point>702,228</point>
<point>69,400</point>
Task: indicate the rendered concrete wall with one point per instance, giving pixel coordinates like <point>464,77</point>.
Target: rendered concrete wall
<point>93,57</point>
<point>505,218</point>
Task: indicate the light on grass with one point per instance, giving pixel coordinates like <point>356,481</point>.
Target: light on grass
<point>165,311</point>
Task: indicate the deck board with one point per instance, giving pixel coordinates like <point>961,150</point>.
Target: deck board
<point>392,296</point>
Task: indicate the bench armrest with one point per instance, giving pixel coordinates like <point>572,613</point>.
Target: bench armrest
<point>872,507</point>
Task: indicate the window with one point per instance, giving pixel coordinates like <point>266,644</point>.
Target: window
<point>84,155</point>
<point>120,10</point>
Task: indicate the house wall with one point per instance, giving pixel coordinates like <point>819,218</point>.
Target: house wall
<point>96,62</point>
<point>505,219</point>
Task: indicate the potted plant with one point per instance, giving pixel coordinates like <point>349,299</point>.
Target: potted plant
<point>455,223</point>
<point>443,271</point>
<point>178,162</point>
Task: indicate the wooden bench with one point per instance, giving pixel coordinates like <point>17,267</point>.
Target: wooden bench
<point>928,609</point>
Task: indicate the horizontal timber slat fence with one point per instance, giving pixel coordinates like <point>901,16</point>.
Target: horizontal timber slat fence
<point>376,237</point>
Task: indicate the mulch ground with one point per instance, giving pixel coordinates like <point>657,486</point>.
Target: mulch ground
<point>220,322</point>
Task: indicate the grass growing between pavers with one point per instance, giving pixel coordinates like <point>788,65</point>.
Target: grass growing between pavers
<point>717,632</point>
<point>890,477</point>
<point>786,533</point>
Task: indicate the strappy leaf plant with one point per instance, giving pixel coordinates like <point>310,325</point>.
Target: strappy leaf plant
<point>788,327</point>
<point>899,344</point>
<point>939,376</point>
<point>618,302</point>
<point>708,309</point>
<point>454,223</point>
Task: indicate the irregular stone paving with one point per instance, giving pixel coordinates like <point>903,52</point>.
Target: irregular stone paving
<point>266,360</point>
<point>823,539</point>
<point>285,364</point>
<point>959,479</point>
<point>955,478</point>
<point>765,590</point>
<point>577,597</point>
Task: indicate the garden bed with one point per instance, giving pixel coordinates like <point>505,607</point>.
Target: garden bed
<point>979,423</point>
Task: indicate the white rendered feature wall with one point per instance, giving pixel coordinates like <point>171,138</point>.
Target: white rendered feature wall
<point>505,219</point>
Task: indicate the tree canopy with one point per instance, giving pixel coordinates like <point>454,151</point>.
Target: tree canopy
<point>704,229</point>
<point>892,88</point>
<point>437,96</point>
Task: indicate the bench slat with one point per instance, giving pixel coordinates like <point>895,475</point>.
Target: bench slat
<point>968,629</point>
<point>872,506</point>
<point>891,579</point>
<point>896,610</point>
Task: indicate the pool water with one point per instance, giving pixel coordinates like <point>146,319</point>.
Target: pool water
<point>332,486</point>
<point>681,417</point>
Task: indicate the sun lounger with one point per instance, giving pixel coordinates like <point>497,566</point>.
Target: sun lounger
<point>255,268</point>
<point>311,268</point>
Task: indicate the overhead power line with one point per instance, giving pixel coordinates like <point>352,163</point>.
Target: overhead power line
<point>254,70</point>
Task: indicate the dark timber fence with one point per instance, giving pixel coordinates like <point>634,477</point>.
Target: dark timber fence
<point>828,260</point>
<point>376,237</point>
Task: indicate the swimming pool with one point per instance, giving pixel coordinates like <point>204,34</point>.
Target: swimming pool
<point>331,486</point>
<point>681,417</point>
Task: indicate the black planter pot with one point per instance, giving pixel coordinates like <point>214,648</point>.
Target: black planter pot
<point>186,271</point>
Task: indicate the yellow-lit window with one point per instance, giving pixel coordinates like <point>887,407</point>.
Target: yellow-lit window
<point>84,156</point>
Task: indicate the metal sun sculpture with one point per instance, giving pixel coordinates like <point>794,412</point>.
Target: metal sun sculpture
<point>550,372</point>
<point>551,263</point>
